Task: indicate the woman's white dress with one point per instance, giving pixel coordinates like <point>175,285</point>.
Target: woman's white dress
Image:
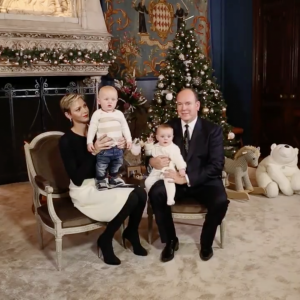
<point>98,205</point>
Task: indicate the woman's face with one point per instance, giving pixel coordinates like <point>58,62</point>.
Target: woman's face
<point>79,112</point>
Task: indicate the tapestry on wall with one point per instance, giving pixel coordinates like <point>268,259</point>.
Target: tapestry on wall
<point>143,30</point>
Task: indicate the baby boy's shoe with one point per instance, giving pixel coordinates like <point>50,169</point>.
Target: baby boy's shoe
<point>101,185</point>
<point>116,181</point>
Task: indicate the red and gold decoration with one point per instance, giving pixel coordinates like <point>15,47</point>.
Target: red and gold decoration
<point>161,17</point>
<point>130,97</point>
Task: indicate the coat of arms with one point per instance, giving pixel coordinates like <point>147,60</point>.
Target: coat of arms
<point>161,17</point>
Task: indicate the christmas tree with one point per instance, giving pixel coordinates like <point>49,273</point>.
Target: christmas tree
<point>187,67</point>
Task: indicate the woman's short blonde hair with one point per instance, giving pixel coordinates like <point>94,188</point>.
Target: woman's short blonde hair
<point>67,101</point>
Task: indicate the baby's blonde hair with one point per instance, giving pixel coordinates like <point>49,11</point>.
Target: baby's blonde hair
<point>163,126</point>
<point>106,88</point>
<point>67,101</point>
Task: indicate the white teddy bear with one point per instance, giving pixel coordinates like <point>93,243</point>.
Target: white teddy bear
<point>279,171</point>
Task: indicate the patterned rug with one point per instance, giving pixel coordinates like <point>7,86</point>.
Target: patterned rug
<point>260,259</point>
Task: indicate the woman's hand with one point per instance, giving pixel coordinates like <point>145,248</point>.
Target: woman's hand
<point>174,177</point>
<point>121,143</point>
<point>159,162</point>
<point>103,143</point>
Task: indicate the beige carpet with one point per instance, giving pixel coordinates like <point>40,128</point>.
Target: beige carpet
<point>261,259</point>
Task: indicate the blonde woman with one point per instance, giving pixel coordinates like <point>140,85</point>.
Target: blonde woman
<point>111,205</point>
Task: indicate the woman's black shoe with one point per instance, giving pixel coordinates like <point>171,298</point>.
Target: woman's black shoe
<point>134,239</point>
<point>109,257</point>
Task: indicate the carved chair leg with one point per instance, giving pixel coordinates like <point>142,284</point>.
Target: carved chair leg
<point>58,241</point>
<point>222,234</point>
<point>40,232</point>
<point>150,226</point>
<point>227,180</point>
<point>122,228</point>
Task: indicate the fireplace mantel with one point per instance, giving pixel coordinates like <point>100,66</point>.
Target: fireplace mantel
<point>86,29</point>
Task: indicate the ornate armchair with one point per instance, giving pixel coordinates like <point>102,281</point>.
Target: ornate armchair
<point>187,209</point>
<point>48,177</point>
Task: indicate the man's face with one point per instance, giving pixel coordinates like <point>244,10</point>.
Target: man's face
<point>187,106</point>
<point>178,5</point>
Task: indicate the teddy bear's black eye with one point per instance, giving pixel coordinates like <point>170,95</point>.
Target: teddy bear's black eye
<point>253,158</point>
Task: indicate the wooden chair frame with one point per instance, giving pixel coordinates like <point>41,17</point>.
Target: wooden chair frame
<point>58,231</point>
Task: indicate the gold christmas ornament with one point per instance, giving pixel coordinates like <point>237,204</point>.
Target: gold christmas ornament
<point>205,110</point>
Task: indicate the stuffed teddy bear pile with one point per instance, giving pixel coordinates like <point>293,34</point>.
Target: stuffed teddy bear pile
<point>279,171</point>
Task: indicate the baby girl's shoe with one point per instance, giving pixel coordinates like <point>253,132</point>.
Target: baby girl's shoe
<point>171,202</point>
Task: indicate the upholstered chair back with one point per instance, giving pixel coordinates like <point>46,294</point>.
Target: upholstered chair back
<point>47,163</point>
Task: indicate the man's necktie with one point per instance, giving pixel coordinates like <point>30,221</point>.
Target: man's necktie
<point>186,138</point>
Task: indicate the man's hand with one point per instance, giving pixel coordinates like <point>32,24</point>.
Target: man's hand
<point>159,162</point>
<point>182,172</point>
<point>174,177</point>
<point>121,143</point>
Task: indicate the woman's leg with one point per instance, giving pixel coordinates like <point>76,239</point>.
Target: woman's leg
<point>131,232</point>
<point>105,239</point>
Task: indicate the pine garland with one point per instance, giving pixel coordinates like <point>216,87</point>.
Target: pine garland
<point>27,57</point>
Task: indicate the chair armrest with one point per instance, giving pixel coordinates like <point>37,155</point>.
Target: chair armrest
<point>43,184</point>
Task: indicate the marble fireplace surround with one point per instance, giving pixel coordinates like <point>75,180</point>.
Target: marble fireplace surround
<point>81,27</point>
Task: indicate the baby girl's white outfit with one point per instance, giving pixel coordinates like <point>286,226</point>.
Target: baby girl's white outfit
<point>173,152</point>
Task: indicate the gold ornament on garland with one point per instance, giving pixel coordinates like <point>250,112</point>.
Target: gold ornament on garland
<point>55,56</point>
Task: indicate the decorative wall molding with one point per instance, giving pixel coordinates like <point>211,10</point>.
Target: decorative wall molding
<point>51,70</point>
<point>29,40</point>
<point>36,35</point>
<point>88,33</point>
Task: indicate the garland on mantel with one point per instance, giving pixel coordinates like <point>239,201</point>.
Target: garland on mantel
<point>27,57</point>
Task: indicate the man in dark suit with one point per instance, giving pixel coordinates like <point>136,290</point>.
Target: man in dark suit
<point>201,144</point>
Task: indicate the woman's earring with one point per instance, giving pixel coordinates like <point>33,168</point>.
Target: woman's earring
<point>71,121</point>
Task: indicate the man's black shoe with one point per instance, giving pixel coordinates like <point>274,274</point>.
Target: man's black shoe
<point>206,253</point>
<point>168,252</point>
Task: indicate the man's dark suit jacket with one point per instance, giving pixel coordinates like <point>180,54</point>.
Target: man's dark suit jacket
<point>205,158</point>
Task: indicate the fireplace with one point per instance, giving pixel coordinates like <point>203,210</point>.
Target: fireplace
<point>45,52</point>
<point>29,107</point>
